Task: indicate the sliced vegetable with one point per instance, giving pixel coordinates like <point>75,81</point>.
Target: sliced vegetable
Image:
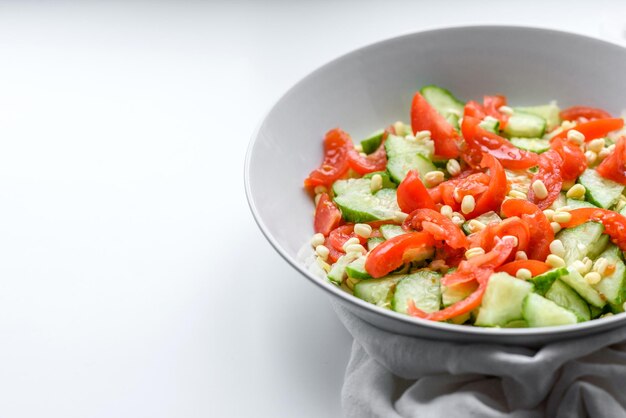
<point>502,302</point>
<point>534,266</point>
<point>327,215</point>
<point>597,128</point>
<point>549,174</point>
<point>541,234</point>
<point>421,287</point>
<point>583,113</point>
<point>614,223</point>
<point>600,191</point>
<point>425,117</point>
<point>397,251</point>
<point>337,144</point>
<point>439,226</point>
<point>613,167</point>
<point>412,194</point>
<point>478,139</point>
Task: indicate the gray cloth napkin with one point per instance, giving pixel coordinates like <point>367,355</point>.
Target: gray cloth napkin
<point>396,376</point>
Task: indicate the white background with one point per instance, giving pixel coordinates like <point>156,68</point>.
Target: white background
<point>133,280</point>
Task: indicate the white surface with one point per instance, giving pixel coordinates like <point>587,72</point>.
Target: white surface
<point>133,280</point>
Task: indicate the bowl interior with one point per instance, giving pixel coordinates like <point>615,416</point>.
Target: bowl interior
<point>372,87</point>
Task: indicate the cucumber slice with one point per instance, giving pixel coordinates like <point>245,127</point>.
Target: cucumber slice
<point>541,312</point>
<point>518,323</point>
<point>356,269</point>
<point>422,287</point>
<point>358,204</point>
<point>582,241</point>
<point>613,286</point>
<point>486,218</point>
<point>453,120</point>
<point>387,183</point>
<point>596,312</point>
<point>444,102</point>
<point>502,302</point>
<point>404,155</point>
<point>537,145</point>
<point>574,280</point>
<point>525,125</point>
<point>576,204</point>
<point>374,242</point>
<point>338,271</point>
<point>549,112</point>
<point>600,191</point>
<point>390,231</point>
<point>373,141</point>
<point>377,291</point>
<point>491,125</point>
<point>544,281</point>
<point>565,296</point>
<point>454,294</point>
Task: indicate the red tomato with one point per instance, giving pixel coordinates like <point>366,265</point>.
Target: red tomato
<point>614,223</point>
<point>576,113</point>
<point>340,235</point>
<point>541,234</point>
<point>395,252</point>
<point>498,188</point>
<point>473,184</point>
<point>327,215</point>
<point>596,128</point>
<point>477,269</point>
<point>474,109</point>
<point>425,117</point>
<point>511,226</point>
<point>376,161</point>
<point>614,166</point>
<point>573,159</point>
<point>479,139</point>
<point>534,266</point>
<point>412,194</point>
<point>337,144</point>
<point>515,227</point>
<point>549,173</point>
<point>438,225</point>
<point>492,104</point>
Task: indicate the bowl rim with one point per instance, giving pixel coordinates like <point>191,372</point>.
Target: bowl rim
<point>335,291</point>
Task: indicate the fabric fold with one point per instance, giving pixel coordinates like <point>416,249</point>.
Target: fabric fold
<point>392,375</point>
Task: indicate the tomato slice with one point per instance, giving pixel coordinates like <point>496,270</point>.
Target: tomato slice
<point>473,184</point>
<point>573,159</point>
<point>614,166</point>
<point>498,188</point>
<point>338,237</point>
<point>438,225</point>
<point>474,109</point>
<point>595,128</point>
<point>412,194</point>
<point>478,268</point>
<point>337,144</point>
<point>376,161</point>
<point>614,223</point>
<point>425,117</point>
<point>550,174</point>
<point>534,266</point>
<point>395,252</point>
<point>492,104</point>
<point>479,139</point>
<point>327,215</point>
<point>582,113</point>
<point>541,234</point>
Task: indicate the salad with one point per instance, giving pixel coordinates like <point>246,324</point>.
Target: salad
<point>478,213</point>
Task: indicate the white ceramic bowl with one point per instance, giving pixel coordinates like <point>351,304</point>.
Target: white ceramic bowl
<point>373,86</point>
